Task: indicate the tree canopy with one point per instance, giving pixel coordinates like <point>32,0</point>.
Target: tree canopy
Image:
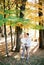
<point>30,19</point>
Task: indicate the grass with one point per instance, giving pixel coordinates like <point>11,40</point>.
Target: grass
<point>33,60</point>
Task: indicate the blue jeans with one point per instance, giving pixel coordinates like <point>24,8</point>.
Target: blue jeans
<point>23,52</point>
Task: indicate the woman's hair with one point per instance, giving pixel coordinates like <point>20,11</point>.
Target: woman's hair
<point>27,34</point>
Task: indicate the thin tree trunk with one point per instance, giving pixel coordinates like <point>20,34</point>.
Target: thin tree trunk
<point>5,32</point>
<point>11,38</point>
<point>0,30</point>
<point>10,29</point>
<point>6,39</point>
<point>14,39</point>
<point>2,33</point>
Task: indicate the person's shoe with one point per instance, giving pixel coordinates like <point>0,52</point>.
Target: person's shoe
<point>27,59</point>
<point>22,57</point>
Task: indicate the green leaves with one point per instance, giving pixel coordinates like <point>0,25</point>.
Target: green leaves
<point>1,19</point>
<point>5,20</point>
<point>1,16</point>
<point>1,22</point>
<point>26,21</point>
<point>37,27</point>
<point>17,19</point>
<point>13,20</point>
<point>20,20</point>
<point>9,12</point>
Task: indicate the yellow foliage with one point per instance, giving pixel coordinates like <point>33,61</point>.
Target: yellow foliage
<point>1,12</point>
<point>34,5</point>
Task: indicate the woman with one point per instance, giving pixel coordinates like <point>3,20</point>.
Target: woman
<point>25,45</point>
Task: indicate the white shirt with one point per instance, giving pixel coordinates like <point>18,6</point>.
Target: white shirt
<point>26,41</point>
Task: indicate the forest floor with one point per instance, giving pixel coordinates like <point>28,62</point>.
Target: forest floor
<point>35,59</point>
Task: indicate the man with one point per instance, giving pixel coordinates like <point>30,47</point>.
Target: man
<point>25,45</point>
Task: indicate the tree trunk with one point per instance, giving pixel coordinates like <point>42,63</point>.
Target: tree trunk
<point>11,38</point>
<point>0,30</point>
<point>41,39</point>
<point>6,39</point>
<point>41,32</point>
<point>18,33</point>
<point>5,32</point>
<point>14,40</point>
<point>10,28</point>
<point>18,29</point>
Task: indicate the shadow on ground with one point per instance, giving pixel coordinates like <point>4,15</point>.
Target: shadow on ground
<point>33,60</point>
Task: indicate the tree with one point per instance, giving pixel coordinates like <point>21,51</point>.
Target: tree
<point>10,28</point>
<point>41,32</point>
<point>5,31</point>
<point>18,31</point>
